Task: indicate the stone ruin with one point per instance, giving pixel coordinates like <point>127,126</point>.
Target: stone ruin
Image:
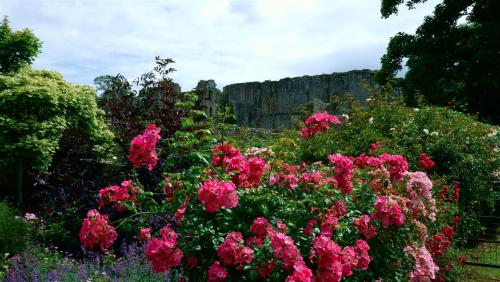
<point>277,104</point>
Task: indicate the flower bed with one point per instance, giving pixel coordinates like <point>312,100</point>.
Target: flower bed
<point>252,216</point>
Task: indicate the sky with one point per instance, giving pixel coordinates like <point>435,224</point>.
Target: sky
<point>228,41</point>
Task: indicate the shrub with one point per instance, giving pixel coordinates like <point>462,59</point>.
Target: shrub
<point>250,216</point>
<point>36,108</point>
<point>44,118</point>
<point>462,148</point>
<point>12,230</point>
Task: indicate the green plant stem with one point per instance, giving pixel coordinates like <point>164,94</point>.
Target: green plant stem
<point>123,220</point>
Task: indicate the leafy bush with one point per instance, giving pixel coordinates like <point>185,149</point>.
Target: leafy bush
<point>36,108</point>
<point>463,149</point>
<point>245,216</point>
<point>12,230</point>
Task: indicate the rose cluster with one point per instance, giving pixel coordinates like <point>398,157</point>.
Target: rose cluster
<point>364,227</point>
<point>233,252</point>
<point>143,148</point>
<point>426,162</point>
<point>398,165</point>
<point>96,231</point>
<point>335,262</point>
<point>389,211</point>
<point>162,251</point>
<point>116,195</point>
<point>215,195</point>
<point>246,171</point>
<point>343,167</point>
<point>425,268</point>
<point>318,123</point>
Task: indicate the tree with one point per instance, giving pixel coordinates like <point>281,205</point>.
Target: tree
<point>17,48</point>
<point>450,63</point>
<point>153,101</point>
<point>37,110</point>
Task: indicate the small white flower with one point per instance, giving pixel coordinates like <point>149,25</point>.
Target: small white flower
<point>392,129</point>
<point>434,133</point>
<point>368,99</point>
<point>426,131</point>
<point>416,109</point>
<point>346,116</point>
<point>370,120</point>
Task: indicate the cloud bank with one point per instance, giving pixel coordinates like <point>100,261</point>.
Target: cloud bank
<point>228,41</point>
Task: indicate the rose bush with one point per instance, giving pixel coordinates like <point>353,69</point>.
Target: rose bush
<point>255,217</point>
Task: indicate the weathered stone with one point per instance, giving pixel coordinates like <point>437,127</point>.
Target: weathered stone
<point>274,104</point>
<point>211,97</point>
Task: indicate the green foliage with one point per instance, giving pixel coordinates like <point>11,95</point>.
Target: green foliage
<point>17,48</point>
<point>448,62</point>
<point>12,230</point>
<point>463,148</point>
<point>36,108</point>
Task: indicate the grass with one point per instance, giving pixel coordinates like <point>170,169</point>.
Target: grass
<point>488,253</point>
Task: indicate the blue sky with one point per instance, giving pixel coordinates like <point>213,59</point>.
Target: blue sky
<point>228,41</point>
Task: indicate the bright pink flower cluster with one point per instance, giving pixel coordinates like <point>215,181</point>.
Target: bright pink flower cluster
<point>364,227</point>
<point>260,227</point>
<point>96,231</point>
<point>426,162</point>
<point>248,171</point>
<point>222,153</point>
<point>142,148</point>
<point>425,269</point>
<point>217,273</point>
<point>117,194</point>
<point>335,262</point>
<point>397,165</point>
<point>329,223</point>
<point>301,273</point>
<point>342,166</point>
<point>318,123</point>
<point>162,253</point>
<point>284,249</point>
<point>389,211</point>
<point>312,180</point>
<point>419,189</point>
<point>215,195</point>
<point>326,254</point>
<point>331,217</point>
<point>363,161</point>
<point>233,252</point>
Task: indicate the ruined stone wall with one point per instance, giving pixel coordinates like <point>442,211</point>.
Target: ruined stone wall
<point>274,104</point>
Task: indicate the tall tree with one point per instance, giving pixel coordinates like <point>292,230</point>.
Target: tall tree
<point>17,48</point>
<point>452,59</point>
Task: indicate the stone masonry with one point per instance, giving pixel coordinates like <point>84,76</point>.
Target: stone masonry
<point>275,104</point>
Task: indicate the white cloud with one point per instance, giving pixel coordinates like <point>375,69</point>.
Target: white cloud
<point>228,41</point>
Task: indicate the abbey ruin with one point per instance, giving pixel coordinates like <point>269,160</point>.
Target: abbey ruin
<point>275,104</point>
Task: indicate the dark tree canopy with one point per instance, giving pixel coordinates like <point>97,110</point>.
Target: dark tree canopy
<point>17,48</point>
<point>450,61</point>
